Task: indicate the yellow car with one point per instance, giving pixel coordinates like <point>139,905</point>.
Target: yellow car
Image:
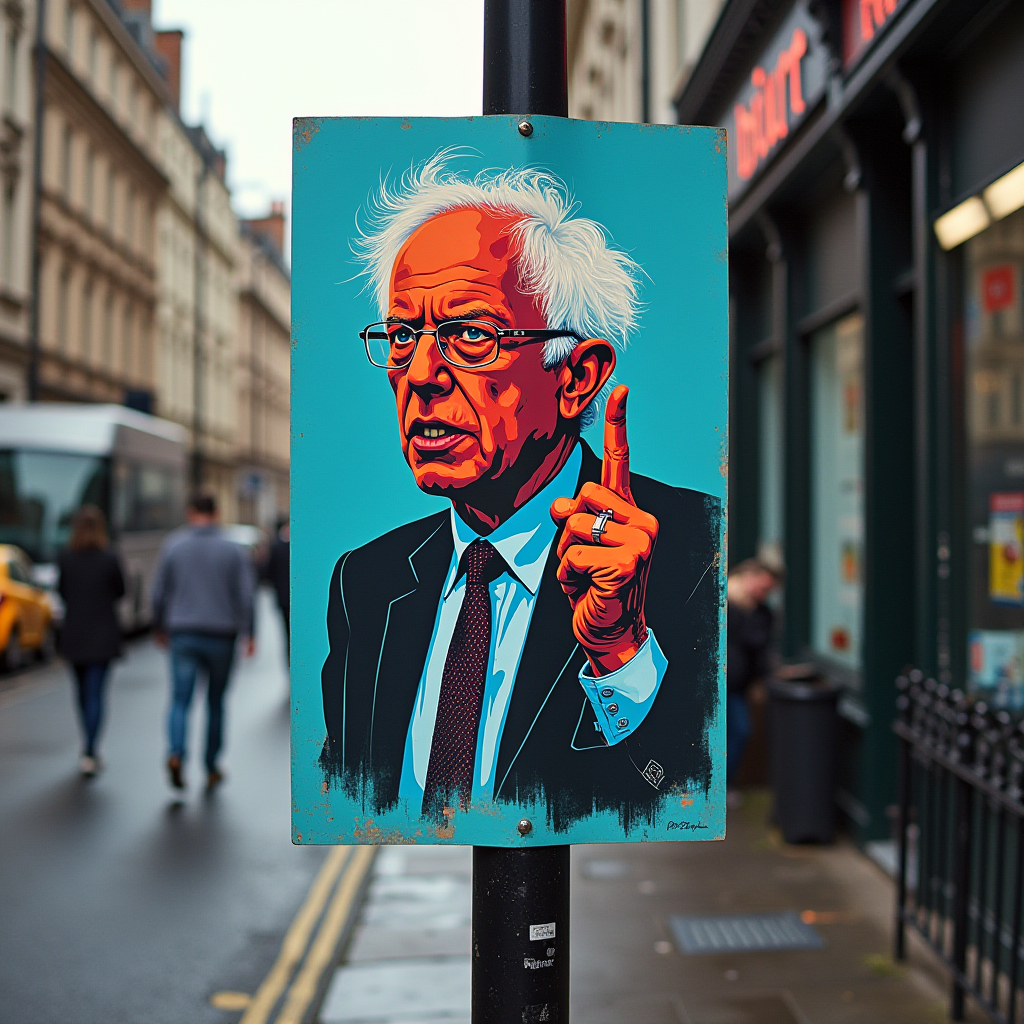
<point>26,614</point>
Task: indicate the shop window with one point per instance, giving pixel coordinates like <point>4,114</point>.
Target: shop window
<point>837,490</point>
<point>994,338</point>
<point>770,468</point>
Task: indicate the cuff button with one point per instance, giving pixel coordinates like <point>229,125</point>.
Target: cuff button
<point>613,709</point>
<point>622,723</point>
<point>607,692</point>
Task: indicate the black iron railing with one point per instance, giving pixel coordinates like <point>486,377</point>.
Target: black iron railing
<point>961,841</point>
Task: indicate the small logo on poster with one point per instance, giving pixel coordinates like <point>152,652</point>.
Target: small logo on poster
<point>542,931</point>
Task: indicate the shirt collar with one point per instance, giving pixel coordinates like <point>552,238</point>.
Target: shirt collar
<point>523,539</point>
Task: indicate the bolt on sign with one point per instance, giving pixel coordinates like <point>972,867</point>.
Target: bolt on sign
<point>781,90</point>
<point>508,481</point>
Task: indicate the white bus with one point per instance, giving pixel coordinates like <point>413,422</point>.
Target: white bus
<point>56,457</point>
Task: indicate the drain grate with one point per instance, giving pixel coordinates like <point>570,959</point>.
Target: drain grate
<point>743,933</point>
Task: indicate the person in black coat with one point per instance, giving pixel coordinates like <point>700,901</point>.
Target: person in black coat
<point>275,572</point>
<point>751,626</point>
<point>91,583</point>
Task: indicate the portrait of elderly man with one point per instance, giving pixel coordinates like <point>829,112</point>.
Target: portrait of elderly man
<point>552,637</point>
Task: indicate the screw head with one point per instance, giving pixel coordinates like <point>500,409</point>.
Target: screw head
<point>525,827</point>
<point>525,129</point>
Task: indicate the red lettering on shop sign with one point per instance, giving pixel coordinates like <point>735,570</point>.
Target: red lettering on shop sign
<point>861,21</point>
<point>761,123</point>
<point>1006,501</point>
<point>997,288</point>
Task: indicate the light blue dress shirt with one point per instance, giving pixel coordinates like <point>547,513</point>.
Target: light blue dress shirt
<point>620,700</point>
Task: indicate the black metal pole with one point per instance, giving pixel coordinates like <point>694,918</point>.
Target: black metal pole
<point>525,57</point>
<point>521,896</point>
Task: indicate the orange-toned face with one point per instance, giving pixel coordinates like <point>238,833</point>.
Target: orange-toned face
<point>481,422</point>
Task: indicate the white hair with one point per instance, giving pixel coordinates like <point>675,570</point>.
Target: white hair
<point>582,284</point>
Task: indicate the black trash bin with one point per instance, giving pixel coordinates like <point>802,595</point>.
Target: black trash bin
<point>804,738</point>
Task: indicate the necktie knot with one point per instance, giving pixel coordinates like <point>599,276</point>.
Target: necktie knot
<point>482,563</point>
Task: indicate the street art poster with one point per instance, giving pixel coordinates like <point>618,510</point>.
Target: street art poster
<point>509,456</point>
<point>1006,548</point>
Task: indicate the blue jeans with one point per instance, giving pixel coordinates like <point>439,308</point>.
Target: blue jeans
<point>192,653</point>
<point>738,728</point>
<point>92,681</point>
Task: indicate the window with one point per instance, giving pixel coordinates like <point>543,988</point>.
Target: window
<point>129,218</point>
<point>770,452</point>
<point>111,198</point>
<point>87,322</point>
<point>66,158</point>
<point>115,80</point>
<point>127,340</point>
<point>63,308</point>
<point>89,183</point>
<point>147,497</point>
<point>94,57</point>
<point>108,331</point>
<point>994,357</point>
<point>70,19</point>
<point>9,210</point>
<point>837,490</point>
<point>11,85</point>
<point>133,103</point>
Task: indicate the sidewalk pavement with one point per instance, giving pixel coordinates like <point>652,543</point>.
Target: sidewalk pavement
<point>408,960</point>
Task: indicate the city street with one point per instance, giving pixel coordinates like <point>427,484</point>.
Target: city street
<point>120,901</point>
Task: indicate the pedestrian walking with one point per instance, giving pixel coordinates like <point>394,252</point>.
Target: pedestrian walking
<point>90,583</point>
<point>202,604</point>
<point>276,574</point>
<point>751,625</point>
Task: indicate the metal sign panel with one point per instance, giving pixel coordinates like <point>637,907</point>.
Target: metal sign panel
<point>508,592</point>
<point>788,80</point>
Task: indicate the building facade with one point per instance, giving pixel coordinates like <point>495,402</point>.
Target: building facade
<point>264,366</point>
<point>17,23</point>
<point>876,190</point>
<point>102,185</point>
<point>629,58</point>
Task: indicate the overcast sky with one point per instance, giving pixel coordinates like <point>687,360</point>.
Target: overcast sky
<point>250,66</point>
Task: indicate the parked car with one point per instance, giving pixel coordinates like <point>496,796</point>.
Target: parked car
<point>26,612</point>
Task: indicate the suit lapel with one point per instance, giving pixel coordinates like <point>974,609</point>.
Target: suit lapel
<point>408,628</point>
<point>550,655</point>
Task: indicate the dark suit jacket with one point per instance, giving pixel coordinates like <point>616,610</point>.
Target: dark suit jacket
<point>382,607</point>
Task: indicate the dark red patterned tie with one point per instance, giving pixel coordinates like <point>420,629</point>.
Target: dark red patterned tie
<point>453,747</point>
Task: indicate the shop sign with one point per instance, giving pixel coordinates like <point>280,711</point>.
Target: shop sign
<point>787,82</point>
<point>863,21</point>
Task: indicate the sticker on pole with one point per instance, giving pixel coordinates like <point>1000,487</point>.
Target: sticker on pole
<point>509,454</point>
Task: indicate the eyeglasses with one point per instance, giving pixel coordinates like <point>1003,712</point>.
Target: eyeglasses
<point>466,344</point>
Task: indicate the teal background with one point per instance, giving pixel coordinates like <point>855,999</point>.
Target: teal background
<point>660,191</point>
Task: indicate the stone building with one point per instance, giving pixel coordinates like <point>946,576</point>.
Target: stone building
<point>103,184</point>
<point>264,358</point>
<point>628,59</point>
<point>17,24</point>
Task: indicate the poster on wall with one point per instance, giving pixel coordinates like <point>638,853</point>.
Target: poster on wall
<point>509,453</point>
<point>1006,548</point>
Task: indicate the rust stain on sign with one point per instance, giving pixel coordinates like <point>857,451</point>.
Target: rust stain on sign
<point>303,130</point>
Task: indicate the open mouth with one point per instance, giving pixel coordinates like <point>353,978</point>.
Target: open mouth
<point>435,437</point>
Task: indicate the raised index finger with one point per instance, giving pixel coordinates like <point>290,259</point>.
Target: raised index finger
<point>615,467</point>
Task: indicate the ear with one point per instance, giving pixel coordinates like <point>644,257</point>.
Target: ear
<point>581,377</point>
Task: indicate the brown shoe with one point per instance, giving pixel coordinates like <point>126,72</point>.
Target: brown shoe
<point>213,780</point>
<point>174,771</point>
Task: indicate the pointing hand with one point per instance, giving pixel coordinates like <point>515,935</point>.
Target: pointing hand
<point>606,579</point>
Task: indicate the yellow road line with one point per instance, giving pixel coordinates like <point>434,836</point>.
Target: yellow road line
<point>296,939</point>
<point>321,953</point>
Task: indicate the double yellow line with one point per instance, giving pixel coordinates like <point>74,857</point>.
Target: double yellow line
<point>349,864</point>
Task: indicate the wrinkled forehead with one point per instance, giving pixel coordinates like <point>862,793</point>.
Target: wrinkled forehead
<point>466,245</point>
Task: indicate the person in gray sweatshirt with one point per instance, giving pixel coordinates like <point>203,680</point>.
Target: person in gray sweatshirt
<point>202,596</point>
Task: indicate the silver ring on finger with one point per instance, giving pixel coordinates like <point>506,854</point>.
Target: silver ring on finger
<point>600,524</point>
